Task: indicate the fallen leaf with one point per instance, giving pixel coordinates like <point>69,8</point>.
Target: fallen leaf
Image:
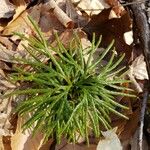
<point>26,140</point>
<point>49,21</point>
<point>131,125</point>
<point>67,36</point>
<point>21,24</point>
<point>112,2</point>
<point>5,111</point>
<point>8,55</point>
<point>138,73</point>
<point>138,68</point>
<point>20,8</point>
<point>117,8</point>
<point>6,142</point>
<point>111,141</point>
<point>68,146</point>
<point>128,37</point>
<point>92,7</point>
<point>111,29</point>
<point>6,9</point>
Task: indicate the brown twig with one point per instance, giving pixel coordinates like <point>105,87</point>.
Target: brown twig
<point>144,36</point>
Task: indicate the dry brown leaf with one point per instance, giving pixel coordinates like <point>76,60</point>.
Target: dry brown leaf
<point>49,21</point>
<point>6,9</point>
<point>65,146</point>
<point>21,24</point>
<point>131,125</point>
<point>111,29</point>
<point>26,141</point>
<point>20,8</point>
<point>1,143</point>
<point>8,55</point>
<point>6,42</point>
<point>5,111</point>
<point>111,141</point>
<point>47,145</point>
<point>67,36</point>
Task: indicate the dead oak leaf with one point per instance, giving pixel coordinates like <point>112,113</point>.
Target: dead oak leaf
<point>111,29</point>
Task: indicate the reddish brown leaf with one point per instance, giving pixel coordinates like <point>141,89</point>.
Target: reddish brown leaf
<point>111,29</point>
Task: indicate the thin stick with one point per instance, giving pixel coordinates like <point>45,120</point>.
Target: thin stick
<point>143,28</point>
<point>136,2</point>
<point>144,104</point>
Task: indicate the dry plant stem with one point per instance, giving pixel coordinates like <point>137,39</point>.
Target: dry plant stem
<point>143,28</point>
<point>60,14</point>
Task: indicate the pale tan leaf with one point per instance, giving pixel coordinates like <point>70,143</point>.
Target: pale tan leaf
<point>128,37</point>
<point>138,68</point>
<point>21,7</point>
<point>22,24</point>
<point>111,141</point>
<point>6,9</point>
<point>19,25</point>
<point>26,140</point>
<point>92,7</point>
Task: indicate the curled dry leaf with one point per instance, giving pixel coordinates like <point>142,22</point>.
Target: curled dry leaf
<point>49,21</point>
<point>111,141</point>
<point>60,14</point>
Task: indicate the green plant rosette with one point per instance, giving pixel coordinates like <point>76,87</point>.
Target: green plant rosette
<point>67,96</point>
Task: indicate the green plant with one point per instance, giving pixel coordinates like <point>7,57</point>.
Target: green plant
<point>66,96</point>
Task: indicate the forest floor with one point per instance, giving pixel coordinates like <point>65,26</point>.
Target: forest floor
<point>127,22</point>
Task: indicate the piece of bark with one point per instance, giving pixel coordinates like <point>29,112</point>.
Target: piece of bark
<point>144,37</point>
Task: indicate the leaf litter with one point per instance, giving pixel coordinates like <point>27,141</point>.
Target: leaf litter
<point>107,18</point>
